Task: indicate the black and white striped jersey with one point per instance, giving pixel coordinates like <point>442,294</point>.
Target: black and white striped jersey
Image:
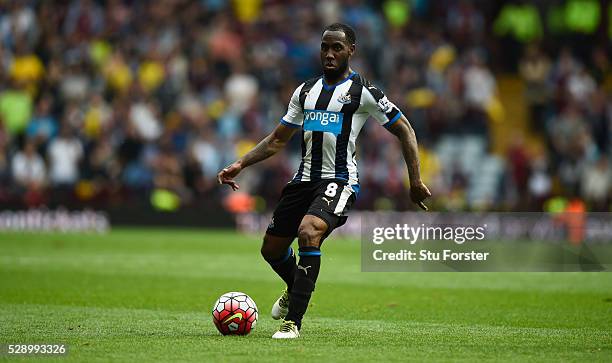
<point>331,117</point>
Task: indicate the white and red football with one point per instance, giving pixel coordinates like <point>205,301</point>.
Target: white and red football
<point>235,313</point>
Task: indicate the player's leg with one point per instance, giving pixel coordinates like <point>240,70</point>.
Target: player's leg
<point>328,210</point>
<point>311,231</point>
<point>283,229</point>
<point>276,250</point>
<point>278,253</point>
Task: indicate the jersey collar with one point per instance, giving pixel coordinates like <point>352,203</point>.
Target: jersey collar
<point>329,87</point>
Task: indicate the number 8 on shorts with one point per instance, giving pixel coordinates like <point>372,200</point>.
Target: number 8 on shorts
<point>331,190</point>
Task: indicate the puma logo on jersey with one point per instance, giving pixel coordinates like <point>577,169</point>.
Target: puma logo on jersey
<point>328,201</point>
<point>304,268</point>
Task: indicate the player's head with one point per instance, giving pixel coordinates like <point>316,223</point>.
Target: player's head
<point>337,47</point>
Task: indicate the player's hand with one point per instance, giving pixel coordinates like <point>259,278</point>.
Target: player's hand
<point>227,175</point>
<point>418,193</point>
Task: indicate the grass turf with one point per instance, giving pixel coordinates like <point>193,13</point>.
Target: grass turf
<point>145,295</point>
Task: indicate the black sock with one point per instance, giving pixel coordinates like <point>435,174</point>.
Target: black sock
<point>285,267</point>
<point>305,279</point>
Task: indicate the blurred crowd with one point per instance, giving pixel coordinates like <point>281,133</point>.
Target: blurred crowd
<point>571,110</point>
<point>105,103</point>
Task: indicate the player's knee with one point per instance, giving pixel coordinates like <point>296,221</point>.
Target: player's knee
<point>268,252</point>
<point>310,235</point>
<point>271,251</point>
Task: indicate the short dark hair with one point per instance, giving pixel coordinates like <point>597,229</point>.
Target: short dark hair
<point>349,33</point>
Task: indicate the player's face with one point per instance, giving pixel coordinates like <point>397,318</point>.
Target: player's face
<point>335,54</point>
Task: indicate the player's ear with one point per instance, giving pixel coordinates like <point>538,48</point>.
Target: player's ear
<point>351,49</point>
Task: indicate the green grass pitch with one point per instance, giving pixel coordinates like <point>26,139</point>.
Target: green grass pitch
<point>138,295</point>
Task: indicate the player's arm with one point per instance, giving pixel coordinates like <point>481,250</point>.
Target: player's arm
<point>267,147</point>
<point>404,132</point>
<point>389,116</point>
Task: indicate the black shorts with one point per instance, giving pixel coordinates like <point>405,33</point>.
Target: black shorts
<point>328,199</point>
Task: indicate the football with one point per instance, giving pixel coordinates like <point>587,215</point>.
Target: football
<point>235,313</point>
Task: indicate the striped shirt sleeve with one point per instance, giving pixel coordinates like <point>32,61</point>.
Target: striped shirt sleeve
<point>295,114</point>
<point>379,107</point>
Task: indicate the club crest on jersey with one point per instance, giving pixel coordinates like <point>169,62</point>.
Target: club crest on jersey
<point>345,98</point>
<point>326,121</point>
